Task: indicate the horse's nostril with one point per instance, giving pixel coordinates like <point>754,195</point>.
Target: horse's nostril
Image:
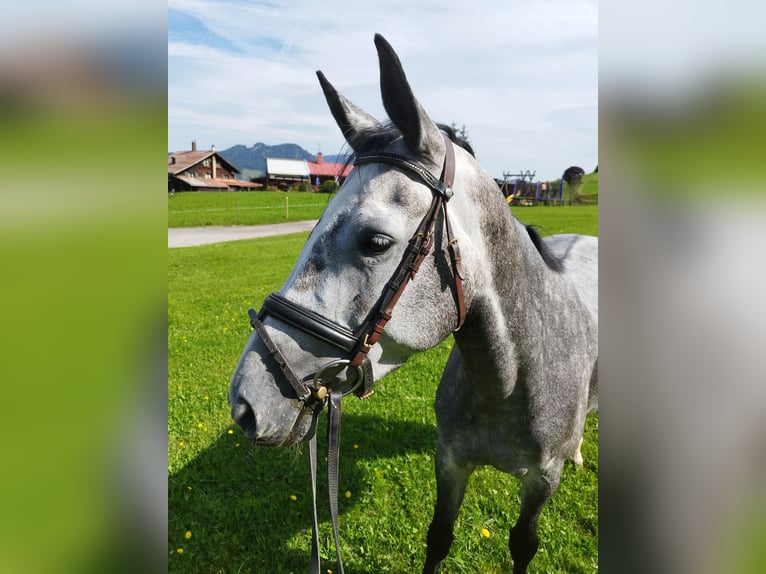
<point>243,415</point>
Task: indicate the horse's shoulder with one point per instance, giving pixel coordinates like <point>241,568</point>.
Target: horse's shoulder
<point>579,255</point>
<point>573,248</point>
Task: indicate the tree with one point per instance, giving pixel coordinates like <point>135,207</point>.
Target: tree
<point>573,176</point>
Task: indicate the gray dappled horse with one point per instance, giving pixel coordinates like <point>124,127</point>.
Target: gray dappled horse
<point>523,373</point>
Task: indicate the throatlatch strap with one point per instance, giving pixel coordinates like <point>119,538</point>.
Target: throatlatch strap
<point>457,270</point>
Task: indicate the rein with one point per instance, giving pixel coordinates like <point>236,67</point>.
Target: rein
<point>354,374</point>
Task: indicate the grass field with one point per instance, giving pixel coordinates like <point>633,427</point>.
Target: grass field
<point>243,207</point>
<point>235,508</point>
<point>262,207</point>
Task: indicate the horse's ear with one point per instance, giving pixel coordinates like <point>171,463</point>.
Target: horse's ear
<point>350,119</point>
<point>420,132</point>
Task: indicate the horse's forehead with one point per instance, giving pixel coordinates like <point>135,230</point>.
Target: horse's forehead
<point>383,187</point>
<point>374,195</point>
<point>383,207</point>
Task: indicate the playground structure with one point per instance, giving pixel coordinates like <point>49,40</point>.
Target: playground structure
<point>520,189</point>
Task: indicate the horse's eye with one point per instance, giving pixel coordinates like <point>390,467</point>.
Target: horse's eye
<point>376,244</point>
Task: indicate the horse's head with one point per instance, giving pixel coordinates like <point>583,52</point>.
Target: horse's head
<point>334,302</point>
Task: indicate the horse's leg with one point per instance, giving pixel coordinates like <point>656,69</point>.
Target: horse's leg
<point>577,458</point>
<point>536,489</point>
<point>451,481</point>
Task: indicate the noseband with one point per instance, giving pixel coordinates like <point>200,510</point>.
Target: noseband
<point>356,344</point>
<point>353,374</point>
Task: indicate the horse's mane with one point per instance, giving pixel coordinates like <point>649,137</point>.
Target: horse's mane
<point>385,134</point>
<point>379,137</point>
<point>554,263</point>
<point>456,139</point>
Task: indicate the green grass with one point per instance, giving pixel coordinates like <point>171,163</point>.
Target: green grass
<point>589,190</point>
<point>560,219</point>
<point>196,209</point>
<point>235,499</point>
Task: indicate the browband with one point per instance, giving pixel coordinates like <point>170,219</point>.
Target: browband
<point>440,187</point>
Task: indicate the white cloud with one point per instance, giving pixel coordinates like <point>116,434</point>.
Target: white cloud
<point>505,70</point>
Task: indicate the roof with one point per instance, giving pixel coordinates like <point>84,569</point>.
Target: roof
<point>211,183</point>
<point>186,159</point>
<point>287,167</point>
<point>300,168</point>
<point>329,169</point>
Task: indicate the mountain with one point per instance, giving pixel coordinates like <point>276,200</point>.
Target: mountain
<point>253,159</point>
<point>338,158</point>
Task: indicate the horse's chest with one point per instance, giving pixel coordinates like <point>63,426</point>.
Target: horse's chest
<point>500,435</point>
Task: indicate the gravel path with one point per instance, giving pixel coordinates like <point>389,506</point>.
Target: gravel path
<point>191,236</point>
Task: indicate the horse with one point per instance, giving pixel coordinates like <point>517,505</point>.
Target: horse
<point>402,258</point>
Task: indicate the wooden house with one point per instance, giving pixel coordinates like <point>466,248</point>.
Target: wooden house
<point>203,170</point>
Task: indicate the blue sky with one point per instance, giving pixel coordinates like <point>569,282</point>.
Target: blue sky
<point>521,76</point>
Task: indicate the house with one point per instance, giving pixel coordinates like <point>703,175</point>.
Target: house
<point>202,170</point>
<point>285,173</point>
<point>321,171</point>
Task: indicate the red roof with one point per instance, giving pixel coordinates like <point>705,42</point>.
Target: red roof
<point>328,169</point>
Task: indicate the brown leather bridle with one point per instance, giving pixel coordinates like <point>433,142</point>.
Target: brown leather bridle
<point>357,343</point>
<point>324,386</point>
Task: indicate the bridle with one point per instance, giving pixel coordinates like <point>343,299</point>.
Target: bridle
<point>357,343</point>
<point>353,374</point>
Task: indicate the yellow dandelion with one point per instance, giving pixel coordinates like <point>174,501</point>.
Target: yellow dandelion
<point>229,431</point>
<point>485,533</point>
<point>200,425</point>
<point>180,550</point>
<point>207,398</point>
<point>180,443</point>
<point>348,494</point>
<point>293,497</point>
<point>188,534</point>
<point>356,446</point>
<point>236,444</point>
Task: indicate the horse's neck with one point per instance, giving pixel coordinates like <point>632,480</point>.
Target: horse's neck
<point>503,328</point>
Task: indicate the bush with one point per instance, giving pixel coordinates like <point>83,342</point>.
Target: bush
<point>328,186</point>
<point>303,186</point>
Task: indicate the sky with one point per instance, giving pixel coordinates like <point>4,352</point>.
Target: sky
<point>521,76</point>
